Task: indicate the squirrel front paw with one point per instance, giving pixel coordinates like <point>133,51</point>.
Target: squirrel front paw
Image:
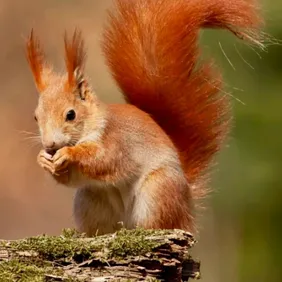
<point>57,164</point>
<point>45,161</point>
<point>61,160</point>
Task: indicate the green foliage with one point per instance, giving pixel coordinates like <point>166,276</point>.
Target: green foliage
<point>248,184</point>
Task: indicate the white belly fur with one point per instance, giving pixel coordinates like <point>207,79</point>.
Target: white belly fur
<point>102,207</point>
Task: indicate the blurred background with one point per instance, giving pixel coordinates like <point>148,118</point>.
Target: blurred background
<point>241,228</point>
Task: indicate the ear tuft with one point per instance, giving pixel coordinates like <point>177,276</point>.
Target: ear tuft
<point>75,56</point>
<point>36,59</point>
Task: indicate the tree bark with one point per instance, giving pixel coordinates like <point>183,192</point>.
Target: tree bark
<point>124,256</point>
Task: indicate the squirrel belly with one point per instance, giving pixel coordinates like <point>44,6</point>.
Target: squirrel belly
<point>149,187</point>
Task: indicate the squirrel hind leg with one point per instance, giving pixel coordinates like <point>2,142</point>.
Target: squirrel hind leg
<point>95,213</point>
<point>163,201</point>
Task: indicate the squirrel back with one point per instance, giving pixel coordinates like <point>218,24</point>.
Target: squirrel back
<point>151,47</point>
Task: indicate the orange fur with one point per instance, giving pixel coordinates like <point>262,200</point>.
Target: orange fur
<point>75,55</point>
<point>141,163</point>
<point>152,50</point>
<point>111,163</point>
<point>173,207</point>
<point>36,60</point>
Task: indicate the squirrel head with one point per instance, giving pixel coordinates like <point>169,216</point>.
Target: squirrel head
<point>66,103</point>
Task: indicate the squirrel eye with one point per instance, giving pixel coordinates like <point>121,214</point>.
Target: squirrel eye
<point>35,118</point>
<point>70,115</point>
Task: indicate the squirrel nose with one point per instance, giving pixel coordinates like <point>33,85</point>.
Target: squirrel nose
<point>49,146</point>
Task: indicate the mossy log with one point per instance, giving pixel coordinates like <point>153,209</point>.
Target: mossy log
<point>136,255</point>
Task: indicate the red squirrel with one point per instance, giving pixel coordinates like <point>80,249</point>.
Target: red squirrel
<point>143,163</point>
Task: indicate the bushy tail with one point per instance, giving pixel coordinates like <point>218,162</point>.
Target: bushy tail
<point>152,49</point>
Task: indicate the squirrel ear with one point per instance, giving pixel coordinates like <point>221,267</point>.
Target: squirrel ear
<point>81,84</point>
<point>74,58</point>
<point>36,59</point>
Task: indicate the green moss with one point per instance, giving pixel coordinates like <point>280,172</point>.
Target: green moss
<point>33,257</point>
<point>68,245</point>
<point>131,243</point>
<point>16,271</point>
<point>197,275</point>
<point>135,280</point>
<point>23,271</point>
<point>72,233</point>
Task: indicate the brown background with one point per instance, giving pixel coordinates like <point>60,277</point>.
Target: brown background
<point>30,202</point>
